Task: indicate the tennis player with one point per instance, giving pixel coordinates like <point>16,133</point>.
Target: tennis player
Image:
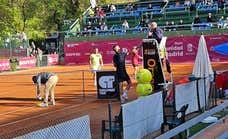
<point>96,63</point>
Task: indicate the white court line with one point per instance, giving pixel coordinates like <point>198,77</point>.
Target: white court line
<point>21,109</point>
<point>43,114</point>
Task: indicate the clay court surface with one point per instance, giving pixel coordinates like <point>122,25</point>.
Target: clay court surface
<point>19,113</point>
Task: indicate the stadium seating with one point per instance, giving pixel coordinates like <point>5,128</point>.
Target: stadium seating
<point>172,12</point>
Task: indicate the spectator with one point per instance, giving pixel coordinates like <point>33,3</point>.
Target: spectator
<point>142,23</point>
<point>99,26</point>
<point>33,49</point>
<point>24,39</point>
<point>177,4</point>
<point>225,23</point>
<point>155,32</point>
<point>167,26</point>
<point>220,22</point>
<point>100,13</point>
<point>129,7</point>
<point>221,4</point>
<point>39,56</point>
<point>113,8</point>
<point>107,8</point>
<point>196,21</point>
<point>209,18</point>
<point>149,14</point>
<point>181,25</point>
<point>104,26</point>
<point>89,26</point>
<point>173,26</point>
<point>125,25</point>
<point>149,6</point>
<point>187,3</point>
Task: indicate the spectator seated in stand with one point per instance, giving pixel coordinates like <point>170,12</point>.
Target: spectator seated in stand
<point>196,21</point>
<point>104,26</point>
<point>225,23</point>
<point>129,7</point>
<point>210,20</point>
<point>100,13</point>
<point>221,4</point>
<point>199,25</point>
<point>125,25</point>
<point>220,22</point>
<point>107,8</point>
<point>149,6</point>
<point>187,3</point>
<point>167,27</point>
<point>112,8</point>
<point>181,25</point>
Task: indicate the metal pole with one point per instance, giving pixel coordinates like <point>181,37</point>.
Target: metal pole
<point>10,45</point>
<point>197,92</point>
<point>83,84</point>
<point>205,97</point>
<point>110,118</point>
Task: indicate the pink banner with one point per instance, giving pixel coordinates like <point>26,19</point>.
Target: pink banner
<point>212,42</point>
<point>27,62</point>
<point>78,52</point>
<point>18,52</point>
<point>184,49</point>
<point>180,49</point>
<point>4,64</point>
<point>52,59</point>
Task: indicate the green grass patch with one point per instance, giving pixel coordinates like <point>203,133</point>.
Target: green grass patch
<point>200,126</point>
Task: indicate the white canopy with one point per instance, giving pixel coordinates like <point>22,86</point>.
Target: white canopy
<point>202,67</point>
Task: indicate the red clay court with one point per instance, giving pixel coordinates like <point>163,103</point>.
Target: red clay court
<point>19,113</point>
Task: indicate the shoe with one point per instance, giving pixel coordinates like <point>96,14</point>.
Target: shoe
<point>125,95</point>
<point>51,103</point>
<point>43,104</point>
<point>39,98</point>
<point>122,99</point>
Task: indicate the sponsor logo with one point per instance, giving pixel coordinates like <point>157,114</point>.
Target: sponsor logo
<point>106,81</point>
<point>73,54</point>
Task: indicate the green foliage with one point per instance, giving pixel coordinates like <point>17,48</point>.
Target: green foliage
<point>39,17</point>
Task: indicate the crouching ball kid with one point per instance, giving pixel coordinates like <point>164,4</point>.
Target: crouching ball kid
<point>49,80</point>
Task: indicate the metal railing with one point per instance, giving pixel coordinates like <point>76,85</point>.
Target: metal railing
<point>192,122</point>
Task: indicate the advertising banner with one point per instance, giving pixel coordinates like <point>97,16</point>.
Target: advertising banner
<point>107,85</point>
<point>179,49</point>
<point>27,62</point>
<point>52,59</point>
<point>79,52</point>
<point>4,64</point>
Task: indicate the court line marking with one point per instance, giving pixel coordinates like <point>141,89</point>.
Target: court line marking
<point>16,110</point>
<point>43,114</point>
